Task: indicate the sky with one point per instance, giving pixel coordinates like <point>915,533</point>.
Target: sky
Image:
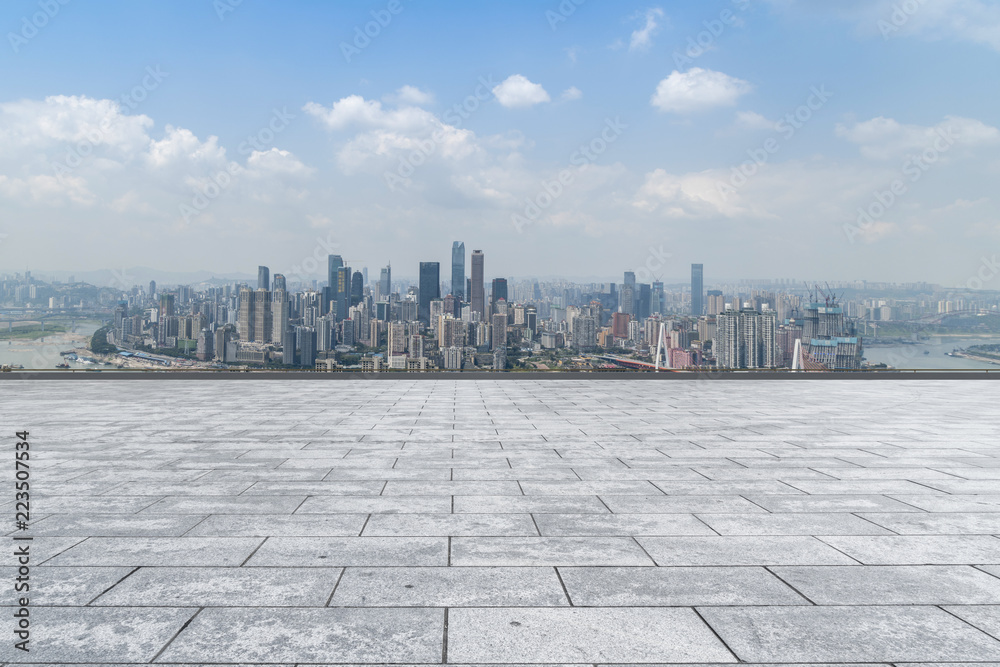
<point>806,139</point>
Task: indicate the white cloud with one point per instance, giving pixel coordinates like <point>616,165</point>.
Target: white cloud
<point>751,120</point>
<point>517,91</point>
<point>887,139</point>
<point>572,93</point>
<point>642,38</point>
<point>698,89</point>
<point>410,95</point>
<point>354,110</point>
<point>975,21</point>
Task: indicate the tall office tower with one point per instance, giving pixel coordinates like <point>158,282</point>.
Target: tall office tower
<point>458,270</point>
<point>357,287</point>
<point>477,298</point>
<point>385,282</point>
<point>152,288</point>
<point>364,274</point>
<point>629,283</point>
<point>430,289</point>
<point>279,283</point>
<point>626,299</point>
<point>245,313</point>
<point>333,264</point>
<point>716,302</point>
<point>307,346</point>
<point>263,277</point>
<point>645,301</point>
<point>263,325</point>
<point>697,290</point>
<point>499,333</point>
<point>498,292</point>
<point>288,346</point>
<point>342,292</point>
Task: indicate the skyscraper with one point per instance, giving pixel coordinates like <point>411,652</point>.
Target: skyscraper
<point>328,294</point>
<point>263,325</point>
<point>280,311</point>
<point>430,289</point>
<point>697,289</point>
<point>385,282</point>
<point>478,299</point>
<point>458,270</point>
<point>342,292</point>
<point>245,314</point>
<point>498,292</point>
<point>263,278</point>
<point>357,287</point>
<point>334,262</point>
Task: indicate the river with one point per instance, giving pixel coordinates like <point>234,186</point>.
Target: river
<point>44,352</point>
<point>912,356</point>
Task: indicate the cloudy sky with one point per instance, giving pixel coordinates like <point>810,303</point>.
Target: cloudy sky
<point>809,139</point>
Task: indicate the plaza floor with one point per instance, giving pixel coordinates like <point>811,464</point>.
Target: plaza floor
<point>560,522</point>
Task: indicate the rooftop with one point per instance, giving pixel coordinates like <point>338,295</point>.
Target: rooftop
<point>508,522</point>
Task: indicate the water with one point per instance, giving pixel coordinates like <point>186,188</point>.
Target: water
<point>40,353</point>
<point>912,356</point>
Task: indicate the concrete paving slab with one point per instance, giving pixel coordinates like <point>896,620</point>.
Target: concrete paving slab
<point>450,587</point>
<point>582,635</point>
<point>848,634</point>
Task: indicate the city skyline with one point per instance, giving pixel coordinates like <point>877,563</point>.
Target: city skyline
<point>617,128</point>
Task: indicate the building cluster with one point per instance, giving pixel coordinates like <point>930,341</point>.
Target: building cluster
<point>461,317</point>
<point>467,322</point>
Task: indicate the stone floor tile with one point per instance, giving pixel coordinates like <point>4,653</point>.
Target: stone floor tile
<point>264,635</point>
<point>848,634</point>
<point>351,552</point>
<point>449,587</point>
<point>676,586</point>
<point>581,635</point>
<point>541,551</point>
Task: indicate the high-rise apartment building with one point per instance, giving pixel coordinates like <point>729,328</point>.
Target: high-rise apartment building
<point>477,298</point>
<point>458,270</point>
<point>429,290</point>
<point>746,339</point>
<point>499,331</point>
<point>245,314</point>
<point>716,302</point>
<point>262,330</point>
<point>697,289</point>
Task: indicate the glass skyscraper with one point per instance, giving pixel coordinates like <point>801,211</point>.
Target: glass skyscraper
<point>430,289</point>
<point>458,270</point>
<point>697,289</point>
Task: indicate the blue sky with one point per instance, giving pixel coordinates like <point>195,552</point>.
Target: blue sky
<point>367,156</point>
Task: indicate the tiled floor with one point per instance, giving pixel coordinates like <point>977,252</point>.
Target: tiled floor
<point>508,522</point>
